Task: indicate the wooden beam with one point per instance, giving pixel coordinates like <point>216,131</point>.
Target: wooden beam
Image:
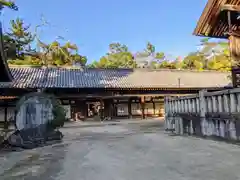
<point>85,96</point>
<point>233,33</point>
<point>229,7</point>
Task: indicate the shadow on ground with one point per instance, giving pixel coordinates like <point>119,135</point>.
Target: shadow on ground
<point>127,151</point>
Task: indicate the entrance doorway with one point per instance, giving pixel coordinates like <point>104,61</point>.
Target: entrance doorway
<point>93,109</point>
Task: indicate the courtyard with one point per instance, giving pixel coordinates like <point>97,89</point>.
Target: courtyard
<point>124,151</point>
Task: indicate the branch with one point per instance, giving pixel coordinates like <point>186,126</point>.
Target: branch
<point>9,4</point>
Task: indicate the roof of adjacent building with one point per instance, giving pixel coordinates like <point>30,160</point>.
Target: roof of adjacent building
<point>214,22</point>
<point>32,77</point>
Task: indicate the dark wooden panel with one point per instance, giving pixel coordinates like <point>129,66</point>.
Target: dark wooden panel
<point>236,77</point>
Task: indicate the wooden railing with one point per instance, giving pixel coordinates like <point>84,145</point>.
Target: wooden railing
<point>206,114</point>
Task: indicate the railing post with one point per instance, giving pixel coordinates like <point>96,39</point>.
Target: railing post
<point>202,104</point>
<point>166,109</point>
<point>233,109</point>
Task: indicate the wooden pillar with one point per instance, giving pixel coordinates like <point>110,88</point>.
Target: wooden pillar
<point>115,109</point>
<point>235,58</point>
<point>113,113</point>
<point>154,108</point>
<point>112,109</point>
<point>5,118</point>
<point>105,105</point>
<point>129,108</point>
<point>15,119</point>
<point>108,107</point>
<point>101,109</point>
<point>234,78</point>
<point>143,106</point>
<point>85,109</point>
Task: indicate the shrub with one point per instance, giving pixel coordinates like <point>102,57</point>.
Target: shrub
<point>59,117</point>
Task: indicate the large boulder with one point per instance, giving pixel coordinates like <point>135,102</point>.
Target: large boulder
<point>54,136</point>
<point>28,138</point>
<point>33,137</point>
<point>37,117</point>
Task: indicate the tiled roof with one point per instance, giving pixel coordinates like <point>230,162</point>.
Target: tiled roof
<point>30,77</point>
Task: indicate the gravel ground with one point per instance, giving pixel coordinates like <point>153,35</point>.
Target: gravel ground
<point>124,152</point>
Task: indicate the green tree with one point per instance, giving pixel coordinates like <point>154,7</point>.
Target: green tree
<point>57,53</point>
<point>117,57</point>
<point>21,36</point>
<point>219,63</point>
<point>9,47</point>
<point>167,65</point>
<point>193,61</point>
<point>160,56</point>
<point>78,59</point>
<point>216,53</point>
<point>115,48</point>
<point>212,55</point>
<point>94,64</point>
<point>150,48</point>
<point>9,4</point>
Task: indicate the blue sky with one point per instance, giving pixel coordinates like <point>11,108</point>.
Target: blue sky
<point>94,24</point>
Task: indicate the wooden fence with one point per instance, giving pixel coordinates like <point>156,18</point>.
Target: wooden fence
<point>205,114</point>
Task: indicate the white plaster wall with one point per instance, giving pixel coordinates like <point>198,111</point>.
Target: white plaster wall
<point>122,109</point>
<point>68,111</point>
<point>136,109</point>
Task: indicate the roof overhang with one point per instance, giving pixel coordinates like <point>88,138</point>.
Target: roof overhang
<point>6,75</point>
<point>214,21</point>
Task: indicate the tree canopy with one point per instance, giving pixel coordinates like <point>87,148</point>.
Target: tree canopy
<point>19,40</point>
<point>210,56</point>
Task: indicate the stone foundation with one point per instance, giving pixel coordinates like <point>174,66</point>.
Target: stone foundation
<point>227,129</point>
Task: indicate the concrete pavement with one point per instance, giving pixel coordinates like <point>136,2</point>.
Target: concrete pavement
<point>141,151</point>
<point>112,122</point>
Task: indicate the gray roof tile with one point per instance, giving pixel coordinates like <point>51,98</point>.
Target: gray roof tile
<point>30,77</point>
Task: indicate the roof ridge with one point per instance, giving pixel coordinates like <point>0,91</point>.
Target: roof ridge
<point>24,66</point>
<point>117,69</point>
<point>181,70</point>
